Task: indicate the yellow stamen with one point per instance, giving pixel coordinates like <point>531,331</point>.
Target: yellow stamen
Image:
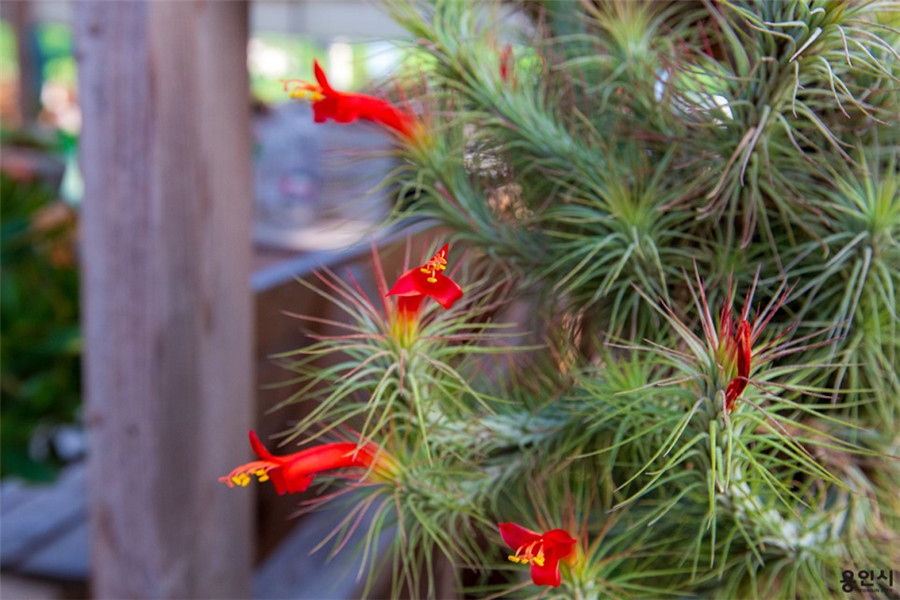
<point>437,263</point>
<point>299,94</point>
<point>261,474</point>
<point>303,90</point>
<point>524,554</point>
<point>241,479</point>
<point>242,475</point>
<point>431,279</point>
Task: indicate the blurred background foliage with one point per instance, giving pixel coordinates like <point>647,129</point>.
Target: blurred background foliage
<point>40,337</point>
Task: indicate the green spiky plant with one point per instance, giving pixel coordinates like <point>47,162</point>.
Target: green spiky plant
<point>628,171</point>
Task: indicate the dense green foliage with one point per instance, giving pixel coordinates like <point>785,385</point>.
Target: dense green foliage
<point>40,339</point>
<point>630,175</point>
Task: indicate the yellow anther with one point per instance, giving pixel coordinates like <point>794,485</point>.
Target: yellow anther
<point>263,477</point>
<point>301,94</point>
<point>241,479</point>
<point>432,271</point>
<point>525,555</point>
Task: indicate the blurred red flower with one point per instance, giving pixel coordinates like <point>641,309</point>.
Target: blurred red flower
<point>506,62</point>
<point>344,107</point>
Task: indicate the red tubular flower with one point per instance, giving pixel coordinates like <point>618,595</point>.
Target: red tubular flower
<point>428,280</point>
<point>542,550</point>
<point>735,341</point>
<point>295,472</point>
<point>506,62</point>
<point>736,337</point>
<point>343,107</point>
<point>726,356</point>
<point>740,341</point>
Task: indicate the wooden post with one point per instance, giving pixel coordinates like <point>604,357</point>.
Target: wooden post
<point>166,158</point>
<point>30,79</point>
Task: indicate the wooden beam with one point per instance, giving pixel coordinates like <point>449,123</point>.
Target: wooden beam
<point>166,159</point>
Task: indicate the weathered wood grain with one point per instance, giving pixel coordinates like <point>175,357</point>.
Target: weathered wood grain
<point>165,153</point>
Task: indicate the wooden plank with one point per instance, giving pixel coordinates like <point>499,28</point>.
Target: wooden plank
<point>64,558</point>
<point>166,159</point>
<point>13,492</point>
<point>41,514</point>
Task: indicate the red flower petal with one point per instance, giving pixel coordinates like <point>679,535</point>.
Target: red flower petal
<point>516,536</point>
<point>289,485</point>
<point>735,388</point>
<point>258,449</point>
<point>407,285</point>
<point>445,291</point>
<point>546,575</point>
<point>560,540</point>
<point>386,114</point>
<point>325,458</point>
<point>321,79</point>
<point>742,337</point>
<point>408,306</point>
<point>554,545</point>
<point>428,280</point>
